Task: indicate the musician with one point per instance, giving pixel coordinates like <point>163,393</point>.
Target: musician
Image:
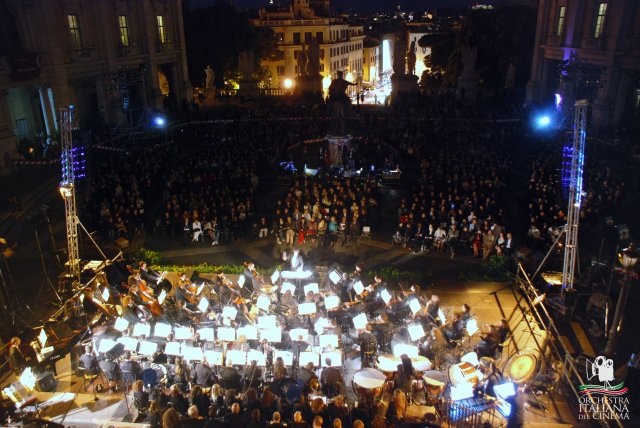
<point>251,281</point>
<point>466,313</point>
<point>405,375</point>
<point>202,374</point>
<point>182,292</point>
<point>180,371</point>
<point>129,311</point>
<point>331,379</point>
<point>492,376</point>
<point>454,329</point>
<point>279,369</point>
<point>288,300</point>
<point>140,396</point>
<point>128,365</point>
<point>266,350</point>
<point>160,357</point>
<point>230,378</point>
<point>491,340</point>
<point>252,375</point>
<point>433,309</point>
<point>89,361</point>
<point>368,345</point>
<point>177,400</point>
<point>296,262</point>
<point>17,360</point>
<point>517,415</point>
<point>152,277</point>
<point>306,373</point>
<point>110,370</point>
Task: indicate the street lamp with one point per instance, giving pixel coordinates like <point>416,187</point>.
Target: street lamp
<point>628,259</point>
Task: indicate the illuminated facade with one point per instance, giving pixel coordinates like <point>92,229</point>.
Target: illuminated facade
<point>112,60</point>
<point>415,33</point>
<point>296,25</point>
<point>604,39</point>
<point>371,62</point>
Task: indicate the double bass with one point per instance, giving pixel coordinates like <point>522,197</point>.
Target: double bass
<point>146,295</point>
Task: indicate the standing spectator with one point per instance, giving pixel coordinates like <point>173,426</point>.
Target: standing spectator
<point>488,243</point>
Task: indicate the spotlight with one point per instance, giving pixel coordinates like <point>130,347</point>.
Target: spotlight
<point>288,83</point>
<point>159,121</point>
<point>543,121</point>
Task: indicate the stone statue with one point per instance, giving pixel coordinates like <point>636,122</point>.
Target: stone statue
<point>208,81</point>
<point>411,58</point>
<point>313,58</point>
<point>399,56</point>
<point>246,60</point>
<point>337,95</point>
<point>302,62</point>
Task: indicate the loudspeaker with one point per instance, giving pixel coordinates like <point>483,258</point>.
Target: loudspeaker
<point>46,382</point>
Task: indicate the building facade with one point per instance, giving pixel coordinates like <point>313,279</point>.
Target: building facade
<point>295,26</point>
<point>115,61</point>
<point>600,42</point>
<point>370,62</point>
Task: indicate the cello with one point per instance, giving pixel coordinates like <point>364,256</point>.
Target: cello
<point>146,295</point>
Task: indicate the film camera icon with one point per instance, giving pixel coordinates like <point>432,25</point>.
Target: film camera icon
<point>603,368</point>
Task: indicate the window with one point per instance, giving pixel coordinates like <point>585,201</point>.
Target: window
<point>281,70</point>
<point>296,38</point>
<point>560,23</point>
<point>308,36</point>
<point>161,30</point>
<point>320,37</point>
<point>602,12</point>
<point>124,30</point>
<point>74,28</point>
<point>279,37</point>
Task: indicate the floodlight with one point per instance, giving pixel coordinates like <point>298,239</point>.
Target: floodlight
<point>28,379</point>
<point>274,276</point>
<point>385,295</point>
<point>288,83</point>
<point>334,276</point>
<point>172,348</point>
<point>307,357</point>
<point>121,324</point>
<point>299,334</point>
<point>358,287</point>
<point>401,348</point>
<point>287,286</point>
<point>329,340</point>
<point>257,356</point>
<point>192,353</point>
<point>311,287</point>
<point>236,357</point>
<point>147,348</point>
<point>105,294</point>
<point>241,280</point>
<point>226,334</point>
<point>182,333</point>
<point>159,121</point>
<point>543,121</point>
<point>472,326</point>
<point>203,305</point>
<point>271,335</point>
<point>161,329</point>
<point>360,321</point>
<point>263,303</point>
<point>331,302</point>
<point>414,305</point>
<point>130,344</point>
<point>287,357</point>
<point>307,308</point>
<point>416,332</point>
<point>205,334</point>
<point>42,338</point>
<point>248,331</point>
<point>229,312</point>
<point>213,357</point>
<point>141,329</point>
<point>162,296</point>
<point>334,356</point>
<point>267,322</point>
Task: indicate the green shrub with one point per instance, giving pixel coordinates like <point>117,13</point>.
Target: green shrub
<point>149,256</point>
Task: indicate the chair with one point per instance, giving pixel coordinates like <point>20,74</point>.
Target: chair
<point>366,232</point>
<point>88,378</point>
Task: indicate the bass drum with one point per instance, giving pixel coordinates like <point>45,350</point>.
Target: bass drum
<point>368,384</point>
<point>463,373</point>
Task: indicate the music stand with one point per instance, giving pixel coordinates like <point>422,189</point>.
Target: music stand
<point>214,357</point>
<point>299,334</point>
<point>106,345</point>
<point>267,322</point>
<point>287,357</point>
<point>414,305</point>
<point>263,303</point>
<point>173,348</point>
<point>130,344</point>
<point>147,348</point>
<point>331,302</point>
<point>141,329</point>
<point>226,334</point>
<point>321,324</point>
<point>121,324</point>
<point>411,351</point>
<point>334,356</point>
<point>206,334</point>
<point>307,308</point>
<point>360,321</point>
<point>271,335</point>
<point>416,331</point>
<point>192,353</point>
<point>329,341</point>
<point>182,333</point>
<point>358,287</point>
<point>161,329</point>
<point>250,332</point>
<point>287,286</point>
<point>236,358</point>
<point>203,305</point>
<point>229,311</point>
<point>311,287</point>
<point>257,356</point>
<point>307,357</point>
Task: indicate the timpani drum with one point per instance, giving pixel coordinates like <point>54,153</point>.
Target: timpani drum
<point>463,372</point>
<point>368,384</point>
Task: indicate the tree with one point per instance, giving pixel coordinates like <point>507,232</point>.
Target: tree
<point>215,36</point>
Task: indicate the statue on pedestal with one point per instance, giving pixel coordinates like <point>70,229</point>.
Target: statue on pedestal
<point>313,58</point>
<point>411,58</point>
<point>208,81</point>
<point>338,99</point>
<point>302,62</point>
<point>399,56</point>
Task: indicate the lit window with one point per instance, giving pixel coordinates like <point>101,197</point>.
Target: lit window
<point>602,12</point>
<point>560,27</point>
<point>161,31</point>
<point>74,28</point>
<point>124,30</point>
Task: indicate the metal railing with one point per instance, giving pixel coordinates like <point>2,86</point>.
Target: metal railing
<point>571,375</point>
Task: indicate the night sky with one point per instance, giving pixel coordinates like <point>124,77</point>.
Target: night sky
<point>372,5</point>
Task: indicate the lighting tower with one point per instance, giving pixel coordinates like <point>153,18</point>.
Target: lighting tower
<point>575,194</point>
<point>68,191</point>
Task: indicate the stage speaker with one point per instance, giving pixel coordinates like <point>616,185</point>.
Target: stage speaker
<point>46,382</point>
